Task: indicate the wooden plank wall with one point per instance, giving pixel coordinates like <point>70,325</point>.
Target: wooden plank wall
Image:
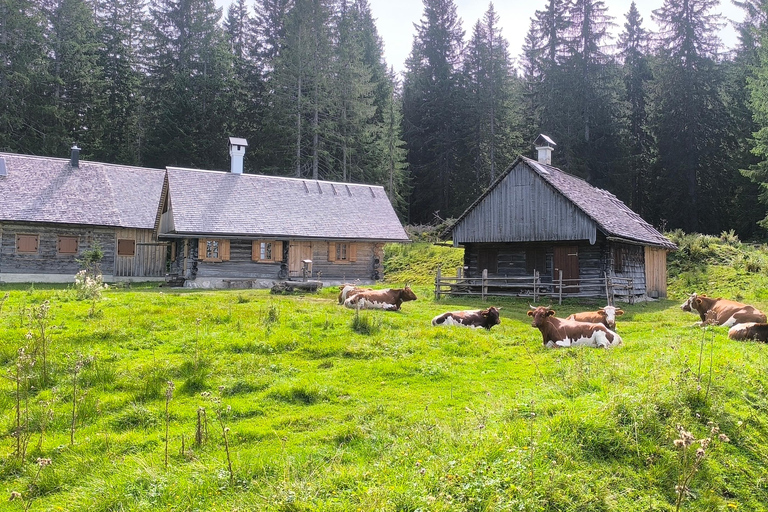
<point>149,258</point>
<point>47,260</point>
<point>656,271</point>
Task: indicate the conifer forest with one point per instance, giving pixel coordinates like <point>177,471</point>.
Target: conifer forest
<point>670,121</point>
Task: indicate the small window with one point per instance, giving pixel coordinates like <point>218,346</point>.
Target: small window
<point>267,251</point>
<point>126,247</point>
<point>342,252</point>
<point>619,258</point>
<point>213,249</point>
<point>27,244</point>
<point>67,245</point>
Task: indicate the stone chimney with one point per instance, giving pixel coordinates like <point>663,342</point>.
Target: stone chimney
<point>544,146</point>
<point>74,159</point>
<point>237,153</point>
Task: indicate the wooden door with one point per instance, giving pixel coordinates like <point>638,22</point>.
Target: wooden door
<point>297,253</point>
<point>566,258</point>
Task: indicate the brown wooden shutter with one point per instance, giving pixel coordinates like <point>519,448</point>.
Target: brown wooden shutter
<point>352,252</point>
<point>67,245</point>
<point>27,243</point>
<point>331,251</point>
<point>255,250</point>
<point>201,249</point>
<point>224,250</point>
<point>277,251</point>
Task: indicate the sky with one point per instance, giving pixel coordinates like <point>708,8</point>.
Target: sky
<point>395,21</point>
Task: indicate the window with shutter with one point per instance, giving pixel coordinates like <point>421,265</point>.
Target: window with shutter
<point>27,244</point>
<point>67,245</point>
<point>266,251</point>
<point>126,247</point>
<point>213,249</point>
<point>342,252</point>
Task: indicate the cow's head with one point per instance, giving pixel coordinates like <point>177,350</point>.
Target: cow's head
<point>610,312</point>
<point>407,294</point>
<point>540,315</point>
<point>491,316</point>
<point>688,304</point>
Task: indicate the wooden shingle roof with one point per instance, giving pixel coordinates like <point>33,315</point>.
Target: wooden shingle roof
<point>250,205</point>
<point>610,214</point>
<point>49,190</point>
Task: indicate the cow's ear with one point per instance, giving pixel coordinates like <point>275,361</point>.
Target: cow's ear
<point>551,312</point>
<point>698,300</point>
<point>601,310</point>
<point>530,313</point>
<point>619,312</point>
<point>703,295</point>
<point>485,314</point>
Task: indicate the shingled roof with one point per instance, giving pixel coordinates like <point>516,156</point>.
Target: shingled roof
<point>42,189</point>
<point>611,215</point>
<point>221,203</point>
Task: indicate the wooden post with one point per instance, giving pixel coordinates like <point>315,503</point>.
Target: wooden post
<point>437,283</point>
<point>535,284</point>
<point>560,293</point>
<point>484,284</point>
<point>631,290</point>
<point>607,296</point>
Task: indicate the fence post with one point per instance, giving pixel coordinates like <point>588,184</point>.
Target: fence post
<point>535,284</point>
<point>631,290</point>
<point>484,284</point>
<point>560,292</point>
<point>437,283</point>
<point>607,295</point>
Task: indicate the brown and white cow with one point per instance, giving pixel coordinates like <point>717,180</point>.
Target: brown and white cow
<point>485,318</point>
<point>719,311</point>
<point>757,331</point>
<point>349,289</point>
<point>561,332</point>
<point>606,316</point>
<point>388,300</point>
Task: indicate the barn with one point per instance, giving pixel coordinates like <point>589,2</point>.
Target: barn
<point>54,209</point>
<point>229,229</point>
<point>536,219</point>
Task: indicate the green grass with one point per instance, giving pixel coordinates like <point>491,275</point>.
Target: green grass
<point>383,412</point>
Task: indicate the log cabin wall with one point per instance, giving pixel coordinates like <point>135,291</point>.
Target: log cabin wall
<point>47,259</point>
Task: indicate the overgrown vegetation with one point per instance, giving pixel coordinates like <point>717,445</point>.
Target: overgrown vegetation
<point>280,404</point>
<point>416,263</point>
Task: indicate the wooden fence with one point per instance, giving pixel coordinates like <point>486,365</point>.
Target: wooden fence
<point>610,287</point>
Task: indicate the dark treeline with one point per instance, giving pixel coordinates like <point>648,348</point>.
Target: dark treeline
<point>671,123</point>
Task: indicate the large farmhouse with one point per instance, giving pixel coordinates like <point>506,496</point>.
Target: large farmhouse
<point>538,218</point>
<point>205,228</point>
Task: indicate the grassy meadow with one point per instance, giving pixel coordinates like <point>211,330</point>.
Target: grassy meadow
<point>170,399</point>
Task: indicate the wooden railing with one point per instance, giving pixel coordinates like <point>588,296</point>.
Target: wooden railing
<point>610,287</point>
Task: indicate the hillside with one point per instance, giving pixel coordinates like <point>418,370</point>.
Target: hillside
<point>165,399</point>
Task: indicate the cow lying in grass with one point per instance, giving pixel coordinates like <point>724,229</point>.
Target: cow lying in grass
<point>349,289</point>
<point>561,332</point>
<point>485,318</point>
<point>757,331</point>
<point>719,311</point>
<point>388,300</point>
<point>606,316</point>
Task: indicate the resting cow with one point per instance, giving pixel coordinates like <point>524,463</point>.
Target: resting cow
<point>722,311</point>
<point>349,289</point>
<point>561,332</point>
<point>485,318</point>
<point>606,316</point>
<point>757,331</point>
<point>388,300</point>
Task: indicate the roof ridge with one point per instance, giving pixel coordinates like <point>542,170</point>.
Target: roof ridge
<point>272,176</point>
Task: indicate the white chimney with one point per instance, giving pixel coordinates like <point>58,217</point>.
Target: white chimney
<point>237,153</point>
<point>544,146</point>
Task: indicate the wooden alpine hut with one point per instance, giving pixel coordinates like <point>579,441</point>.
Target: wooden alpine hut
<point>536,219</point>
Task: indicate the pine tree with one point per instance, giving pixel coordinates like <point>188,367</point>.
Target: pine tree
<point>77,103</point>
<point>432,130</point>
<point>122,25</point>
<point>23,76</point>
<point>690,122</point>
<point>633,50</point>
<point>189,73</point>
<point>490,81</point>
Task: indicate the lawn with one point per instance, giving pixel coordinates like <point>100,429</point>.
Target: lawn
<point>294,403</point>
